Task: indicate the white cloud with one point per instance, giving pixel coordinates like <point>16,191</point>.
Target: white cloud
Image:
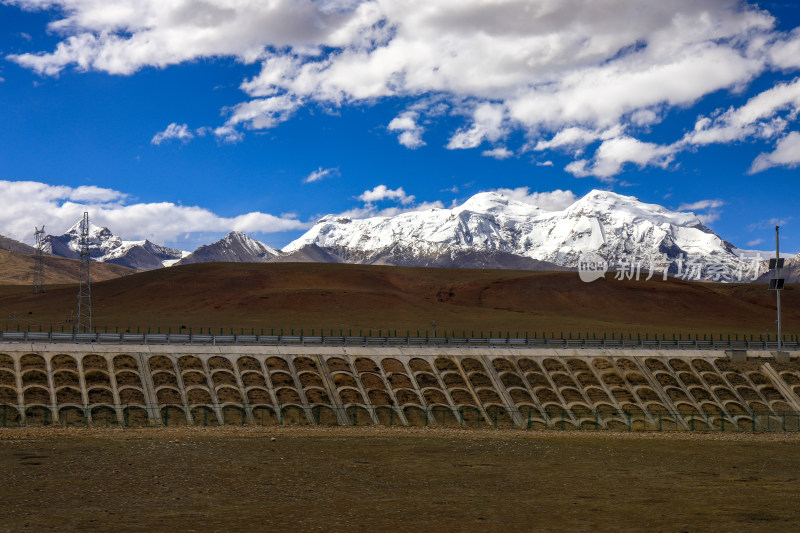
<point>701,205</point>
<point>757,118</point>
<point>769,223</point>
<point>548,201</point>
<point>755,242</point>
<point>264,113</point>
<point>488,123</point>
<point>123,36</point>
<point>711,208</point>
<point>785,53</point>
<point>228,134</point>
<point>173,131</point>
<point>577,137</point>
<point>321,174</point>
<point>708,218</point>
<point>786,154</point>
<point>25,204</point>
<point>382,192</point>
<point>411,132</point>
<point>764,116</point>
<point>613,154</point>
<point>501,152</point>
<point>567,70</point>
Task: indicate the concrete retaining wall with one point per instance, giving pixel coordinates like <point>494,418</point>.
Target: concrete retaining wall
<point>537,388</point>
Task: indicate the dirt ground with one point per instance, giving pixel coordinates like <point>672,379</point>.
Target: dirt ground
<point>390,479</point>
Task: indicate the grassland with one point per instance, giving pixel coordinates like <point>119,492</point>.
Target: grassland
<point>371,479</point>
<point>16,269</point>
<point>357,298</point>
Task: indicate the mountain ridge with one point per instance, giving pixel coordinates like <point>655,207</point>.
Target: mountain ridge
<point>602,222</point>
<point>235,247</point>
<point>489,230</point>
<point>105,247</point>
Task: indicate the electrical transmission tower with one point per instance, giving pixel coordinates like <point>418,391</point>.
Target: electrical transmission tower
<point>83,318</point>
<point>38,262</point>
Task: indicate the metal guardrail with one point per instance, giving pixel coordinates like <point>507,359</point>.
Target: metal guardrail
<point>438,342</point>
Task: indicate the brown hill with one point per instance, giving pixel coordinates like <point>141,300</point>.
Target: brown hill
<point>17,269</point>
<point>356,297</point>
<point>7,243</point>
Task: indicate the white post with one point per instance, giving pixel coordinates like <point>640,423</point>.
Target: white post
<point>778,276</point>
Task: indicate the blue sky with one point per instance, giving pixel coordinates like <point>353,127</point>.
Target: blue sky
<point>180,122</point>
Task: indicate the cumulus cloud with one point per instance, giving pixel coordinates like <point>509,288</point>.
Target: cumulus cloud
<point>763,116</point>
<point>577,137</point>
<point>382,192</point>
<point>786,154</point>
<point>785,52</point>
<point>711,208</point>
<point>320,174</point>
<point>701,205</point>
<point>549,201</point>
<point>25,204</point>
<point>173,131</point>
<point>613,154</point>
<point>377,202</point>
<point>410,132</point>
<point>488,123</point>
<point>501,152</point>
<point>567,72</point>
<point>228,134</point>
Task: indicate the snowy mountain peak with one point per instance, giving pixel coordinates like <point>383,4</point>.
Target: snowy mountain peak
<point>234,247</point>
<point>617,209</point>
<point>607,223</point>
<point>495,202</point>
<point>106,247</point>
<point>256,247</point>
<point>93,229</point>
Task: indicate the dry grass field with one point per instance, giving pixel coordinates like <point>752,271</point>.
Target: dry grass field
<point>382,479</point>
<point>17,269</point>
<point>357,298</point>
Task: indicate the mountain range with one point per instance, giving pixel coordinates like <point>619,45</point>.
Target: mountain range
<point>490,230</point>
<point>105,247</point>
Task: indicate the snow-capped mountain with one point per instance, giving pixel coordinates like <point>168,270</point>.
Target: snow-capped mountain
<point>234,247</point>
<point>619,228</point>
<point>106,247</point>
<point>490,230</point>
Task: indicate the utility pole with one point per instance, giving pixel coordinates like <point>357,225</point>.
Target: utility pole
<point>83,318</point>
<point>776,283</point>
<point>778,266</point>
<point>38,262</point>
